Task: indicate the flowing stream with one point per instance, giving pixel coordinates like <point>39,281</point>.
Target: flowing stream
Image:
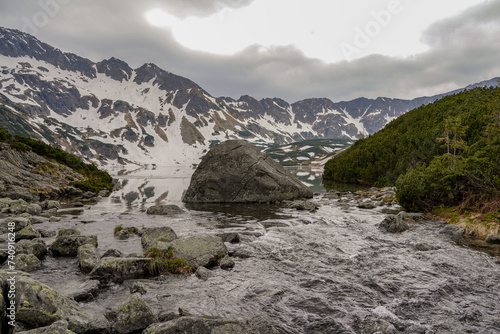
<point>332,271</point>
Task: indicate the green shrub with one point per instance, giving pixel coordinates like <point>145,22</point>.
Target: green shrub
<point>164,262</point>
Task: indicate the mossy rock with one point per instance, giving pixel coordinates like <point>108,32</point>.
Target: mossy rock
<point>133,315</point>
<point>68,245</point>
<point>58,327</point>
<point>200,251</point>
<point>37,247</point>
<point>88,257</point>
<point>29,232</point>
<point>39,305</point>
<point>118,269</point>
<point>67,231</point>
<point>156,237</point>
<point>27,262</point>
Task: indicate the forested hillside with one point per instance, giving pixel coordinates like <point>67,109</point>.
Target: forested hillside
<point>446,152</point>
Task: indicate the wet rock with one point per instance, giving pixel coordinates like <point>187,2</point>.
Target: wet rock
<point>134,315</point>
<point>81,291</point>
<point>455,232</point>
<point>367,205</point>
<point>37,220</point>
<point>112,253</point>
<point>493,239</point>
<point>67,245</point>
<point>88,257</point>
<point>34,209</point>
<point>18,206</point>
<point>4,255</point>
<point>54,219</point>
<point>49,205</point>
<point>197,325</point>
<point>120,269</point>
<point>37,247</point>
<point>17,222</point>
<point>138,287</point>
<point>58,327</point>
<point>122,234</point>
<point>39,305</point>
<point>77,204</point>
<point>29,232</point>
<point>103,193</point>
<point>164,210</point>
<point>156,237</point>
<point>230,237</point>
<point>27,262</point>
<point>393,224</point>
<point>46,233</point>
<point>237,172</point>
<point>302,205</point>
<point>203,273</point>
<point>67,231</point>
<point>226,263</point>
<point>200,251</point>
<point>412,216</point>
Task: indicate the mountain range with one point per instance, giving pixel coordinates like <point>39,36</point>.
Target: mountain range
<point>112,114</point>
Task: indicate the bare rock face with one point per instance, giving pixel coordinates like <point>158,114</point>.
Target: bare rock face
<point>237,172</point>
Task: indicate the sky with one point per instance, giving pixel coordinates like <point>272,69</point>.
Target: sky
<point>290,49</point>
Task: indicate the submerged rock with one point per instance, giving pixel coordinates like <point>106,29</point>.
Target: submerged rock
<point>203,273</point>
<point>237,172</point>
<point>134,315</point>
<point>164,210</point>
<point>81,291</point>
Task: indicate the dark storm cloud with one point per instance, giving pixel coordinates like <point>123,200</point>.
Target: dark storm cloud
<point>462,50</point>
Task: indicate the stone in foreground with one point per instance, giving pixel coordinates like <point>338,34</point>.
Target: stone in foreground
<point>134,314</point>
<point>200,251</point>
<point>237,172</point>
<point>211,326</point>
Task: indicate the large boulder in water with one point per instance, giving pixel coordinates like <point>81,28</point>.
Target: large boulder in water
<point>237,172</point>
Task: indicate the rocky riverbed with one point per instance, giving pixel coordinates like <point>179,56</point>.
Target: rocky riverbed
<point>339,263</point>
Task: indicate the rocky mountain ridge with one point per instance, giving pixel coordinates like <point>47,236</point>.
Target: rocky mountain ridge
<point>110,113</point>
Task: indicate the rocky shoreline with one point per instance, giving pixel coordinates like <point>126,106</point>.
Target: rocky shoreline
<point>40,309</point>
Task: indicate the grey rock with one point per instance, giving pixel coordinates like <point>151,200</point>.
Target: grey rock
<point>455,232</point>
<point>119,269</point>
<point>27,262</point>
<point>203,273</point>
<point>237,172</point>
<point>302,205</point>
<point>156,237</point>
<point>29,232</point>
<point>200,251</point>
<point>112,253</point>
<point>17,222</point>
<point>54,219</point>
<point>47,233</point>
<point>50,204</point>
<point>367,205</point>
<point>67,231</point>
<point>88,257</point>
<point>493,239</point>
<point>226,263</point>
<point>412,216</point>
<point>393,224</point>
<point>122,234</point>
<point>81,291</point>
<point>230,237</point>
<point>197,325</point>
<point>40,305</point>
<point>133,315</point>
<point>138,287</point>
<point>164,210</point>
<point>67,245</point>
<point>36,247</point>
<point>58,327</point>
<point>34,209</point>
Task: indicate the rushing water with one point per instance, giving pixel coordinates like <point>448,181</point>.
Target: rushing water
<point>331,271</point>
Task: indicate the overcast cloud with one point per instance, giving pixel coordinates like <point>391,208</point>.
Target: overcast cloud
<point>443,53</point>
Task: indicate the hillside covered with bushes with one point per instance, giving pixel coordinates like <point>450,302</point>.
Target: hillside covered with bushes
<point>444,153</point>
<point>95,179</point>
